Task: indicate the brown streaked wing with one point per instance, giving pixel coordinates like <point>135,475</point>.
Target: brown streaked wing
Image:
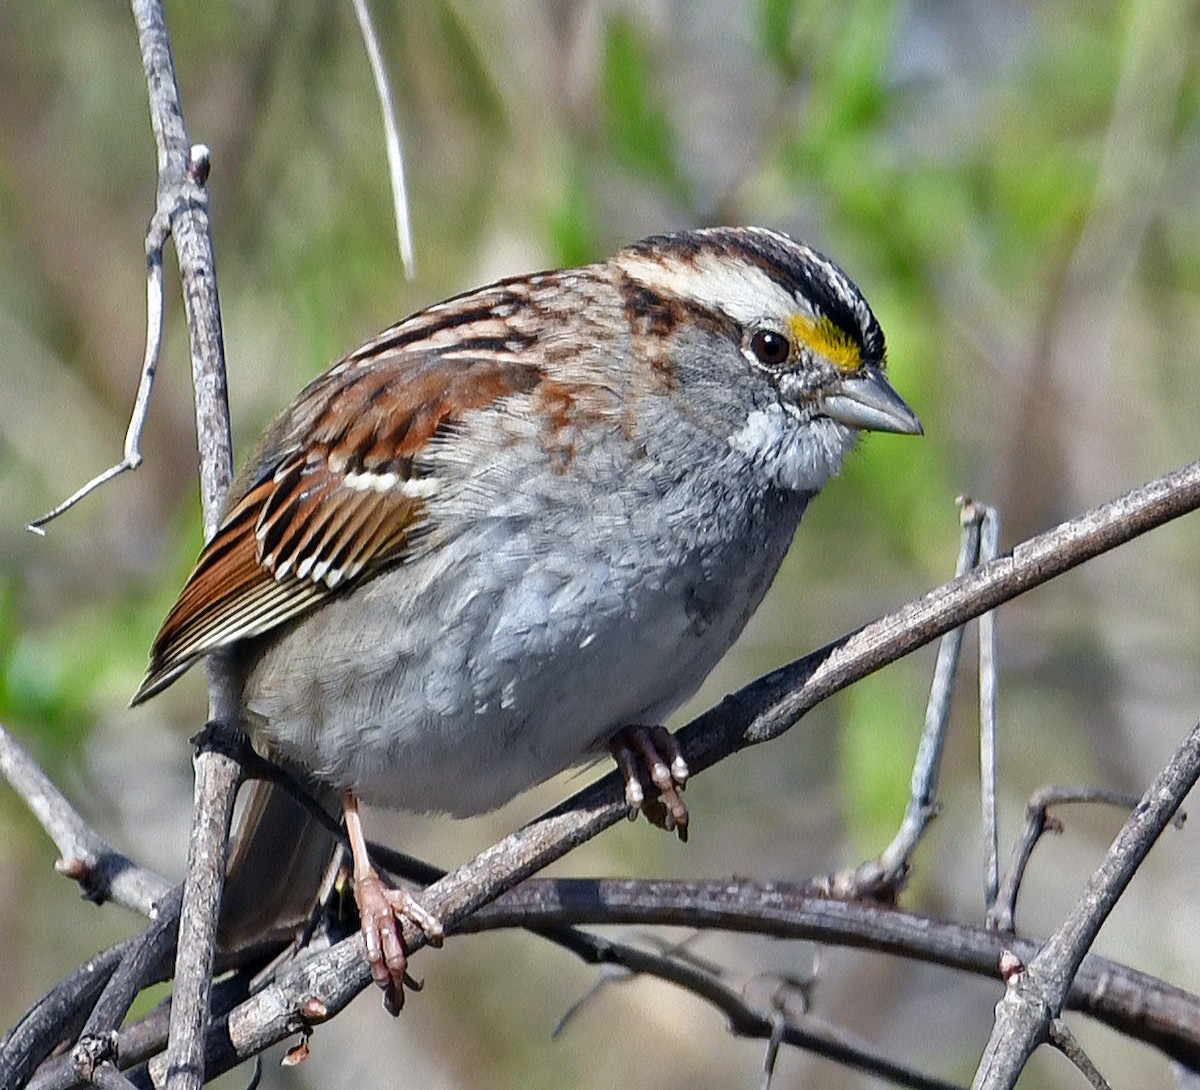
<point>330,510</point>
<point>228,596</point>
<point>314,527</point>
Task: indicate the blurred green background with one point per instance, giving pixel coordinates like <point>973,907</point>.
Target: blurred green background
<point>1013,185</point>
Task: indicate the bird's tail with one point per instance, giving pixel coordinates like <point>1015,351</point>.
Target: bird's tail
<point>282,861</point>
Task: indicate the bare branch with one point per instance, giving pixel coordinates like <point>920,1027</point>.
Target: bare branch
<point>989,549</point>
<point>145,963</point>
<point>765,1018</point>
<point>56,1018</point>
<point>156,238</point>
<point>103,873</point>
<point>776,1027</point>
<point>1038,821</point>
<point>1130,1002</point>
<point>887,873</point>
<point>1036,996</point>
<point>1124,999</point>
<point>759,712</point>
<point>217,777</point>
<point>182,174</point>
<point>784,696</point>
<point>1065,1041</point>
<point>137,1041</point>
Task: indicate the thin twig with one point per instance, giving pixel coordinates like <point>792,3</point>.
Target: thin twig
<point>611,971</point>
<point>989,549</point>
<point>785,695</point>
<point>156,238</point>
<point>887,873</point>
<point>182,195</point>
<point>391,134</point>
<point>1035,996</point>
<point>1066,1042</point>
<point>609,974</point>
<point>217,778</point>
<point>144,964</point>
<point>772,1054</point>
<point>1038,821</point>
<point>768,1020</point>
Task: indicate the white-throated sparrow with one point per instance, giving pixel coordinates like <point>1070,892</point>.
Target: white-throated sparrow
<point>522,525</point>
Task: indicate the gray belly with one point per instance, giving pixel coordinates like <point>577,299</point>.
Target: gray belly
<point>456,681</point>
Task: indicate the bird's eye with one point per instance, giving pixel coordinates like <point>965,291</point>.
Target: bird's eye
<point>770,347</point>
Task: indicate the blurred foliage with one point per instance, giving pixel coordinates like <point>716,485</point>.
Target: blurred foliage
<point>639,128</point>
<point>1014,185</point>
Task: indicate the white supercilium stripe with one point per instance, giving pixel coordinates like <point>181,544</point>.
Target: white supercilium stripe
<point>741,290</point>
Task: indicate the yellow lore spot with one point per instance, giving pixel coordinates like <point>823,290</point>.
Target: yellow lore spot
<point>826,339</point>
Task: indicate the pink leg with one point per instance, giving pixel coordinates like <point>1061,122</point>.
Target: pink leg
<point>380,911</point>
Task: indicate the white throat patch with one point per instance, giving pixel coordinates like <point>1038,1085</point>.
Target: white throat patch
<point>800,456</point>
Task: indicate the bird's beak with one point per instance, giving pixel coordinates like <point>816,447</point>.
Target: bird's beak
<point>868,401</point>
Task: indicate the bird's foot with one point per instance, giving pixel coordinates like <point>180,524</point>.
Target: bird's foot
<point>381,913</point>
<point>656,751</point>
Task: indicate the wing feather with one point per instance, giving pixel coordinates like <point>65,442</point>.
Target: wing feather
<point>336,494</point>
